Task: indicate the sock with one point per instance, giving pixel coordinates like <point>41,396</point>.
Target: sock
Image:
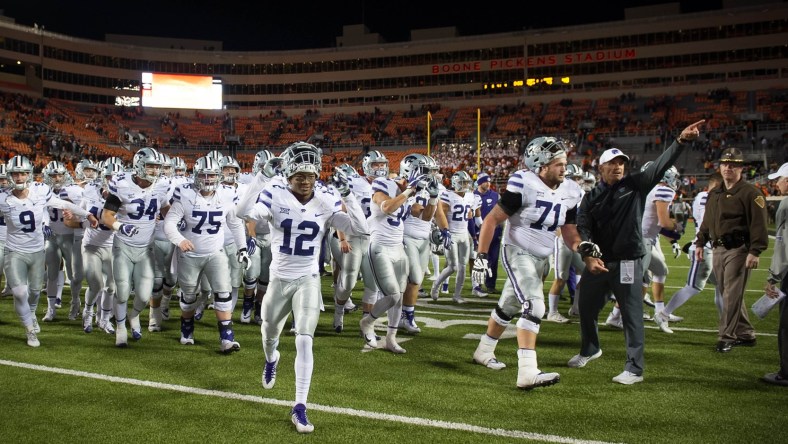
<point>226,330</point>
<point>552,301</point>
<point>659,306</point>
<point>304,363</point>
<point>526,358</point>
<point>616,312</point>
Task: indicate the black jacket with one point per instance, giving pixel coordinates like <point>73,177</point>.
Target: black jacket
<point>611,216</point>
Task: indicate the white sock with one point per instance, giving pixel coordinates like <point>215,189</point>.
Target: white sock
<point>304,363</point>
<point>659,306</point>
<point>552,302</point>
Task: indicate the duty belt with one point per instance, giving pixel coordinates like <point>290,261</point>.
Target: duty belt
<point>729,241</point>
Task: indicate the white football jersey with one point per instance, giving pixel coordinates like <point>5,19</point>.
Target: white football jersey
<point>296,229</point>
<point>205,217</point>
<point>541,212</point>
<point>459,213</point>
<point>240,189</point>
<point>650,225</point>
<point>139,206</point>
<point>387,229</point>
<point>74,195</point>
<point>699,210</point>
<point>55,221</point>
<point>362,191</point>
<point>415,227</point>
<point>24,218</point>
<point>93,202</point>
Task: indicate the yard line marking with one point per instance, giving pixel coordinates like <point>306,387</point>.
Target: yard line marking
<point>423,422</point>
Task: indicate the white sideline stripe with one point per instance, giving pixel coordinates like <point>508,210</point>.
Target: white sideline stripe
<point>423,422</point>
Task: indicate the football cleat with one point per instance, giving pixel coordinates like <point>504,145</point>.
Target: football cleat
<point>392,346</point>
<point>557,318</point>
<point>339,320</point>
<point>615,321</point>
<point>187,340</point>
<point>87,324</point>
<point>662,320</point>
<point>32,339</point>
<point>153,325</point>
<point>542,379</point>
<point>107,327</point>
<point>58,303</point>
<point>298,416</point>
<point>488,360</point>
<point>36,327</point>
<point>458,299</point>
<point>50,316</point>
<point>350,307</point>
<point>74,313</point>
<point>478,292</point>
<point>269,372</point>
<point>121,335</point>
<point>580,361</point>
<point>228,346</point>
<point>408,322</point>
<point>136,328</point>
<point>367,325</point>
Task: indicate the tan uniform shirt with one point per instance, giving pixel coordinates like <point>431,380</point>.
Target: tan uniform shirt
<point>738,210</point>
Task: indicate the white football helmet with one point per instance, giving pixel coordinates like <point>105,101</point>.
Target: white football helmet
<point>110,169</point>
<point>573,171</point>
<point>371,158</point>
<point>147,164</point>
<point>302,157</point>
<point>414,162</point>
<point>86,171</point>
<point>3,176</point>
<point>671,176</point>
<point>19,164</point>
<point>166,165</point>
<point>260,159</point>
<point>178,166</point>
<point>207,174</point>
<point>216,154</point>
<point>56,175</point>
<point>349,170</point>
<point>229,161</point>
<point>543,150</point>
<point>461,182</point>
<point>589,181</point>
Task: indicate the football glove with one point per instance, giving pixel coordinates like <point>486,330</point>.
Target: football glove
<point>251,245</point>
<point>417,181</point>
<point>340,182</point>
<point>432,188</point>
<point>273,167</point>
<point>128,230</point>
<point>47,232</point>
<point>589,249</point>
<point>243,258</point>
<point>676,249</point>
<point>481,268</point>
<point>446,235</point>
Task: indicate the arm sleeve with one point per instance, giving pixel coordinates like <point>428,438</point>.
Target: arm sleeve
<point>250,196</point>
<point>510,202</point>
<point>584,220</point>
<point>649,178</point>
<point>171,223</point>
<point>66,205</point>
<point>112,203</point>
<point>351,222</point>
<point>236,227</point>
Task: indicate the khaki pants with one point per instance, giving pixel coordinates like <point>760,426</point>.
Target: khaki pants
<point>732,275</point>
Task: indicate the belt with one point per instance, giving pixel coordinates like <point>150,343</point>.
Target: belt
<point>728,241</point>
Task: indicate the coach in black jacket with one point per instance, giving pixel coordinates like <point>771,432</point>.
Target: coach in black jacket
<point>609,222</point>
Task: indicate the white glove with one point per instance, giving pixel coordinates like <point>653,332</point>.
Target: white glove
<point>243,258</point>
<point>481,268</point>
<point>676,249</point>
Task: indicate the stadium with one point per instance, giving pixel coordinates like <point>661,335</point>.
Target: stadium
<point>470,102</point>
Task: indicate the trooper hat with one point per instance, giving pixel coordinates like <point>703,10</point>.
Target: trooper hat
<point>732,155</point>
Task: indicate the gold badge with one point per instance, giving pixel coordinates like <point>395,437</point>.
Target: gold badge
<point>760,201</point>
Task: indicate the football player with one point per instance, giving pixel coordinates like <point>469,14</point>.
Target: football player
<point>386,252</point>
<point>3,185</point>
<point>298,215</point>
<point>535,203</point>
<point>257,276</point>
<point>458,206</point>
<point>417,234</point>
<point>22,206</point>
<point>131,208</point>
<point>96,251</point>
<point>202,209</point>
<point>354,249</point>
<point>59,245</point>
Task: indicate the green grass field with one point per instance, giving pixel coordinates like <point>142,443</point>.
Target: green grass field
<point>79,387</point>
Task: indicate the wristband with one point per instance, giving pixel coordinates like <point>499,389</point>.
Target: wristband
<point>116,226</point>
<point>432,201</point>
<point>408,192</point>
<point>482,256</point>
